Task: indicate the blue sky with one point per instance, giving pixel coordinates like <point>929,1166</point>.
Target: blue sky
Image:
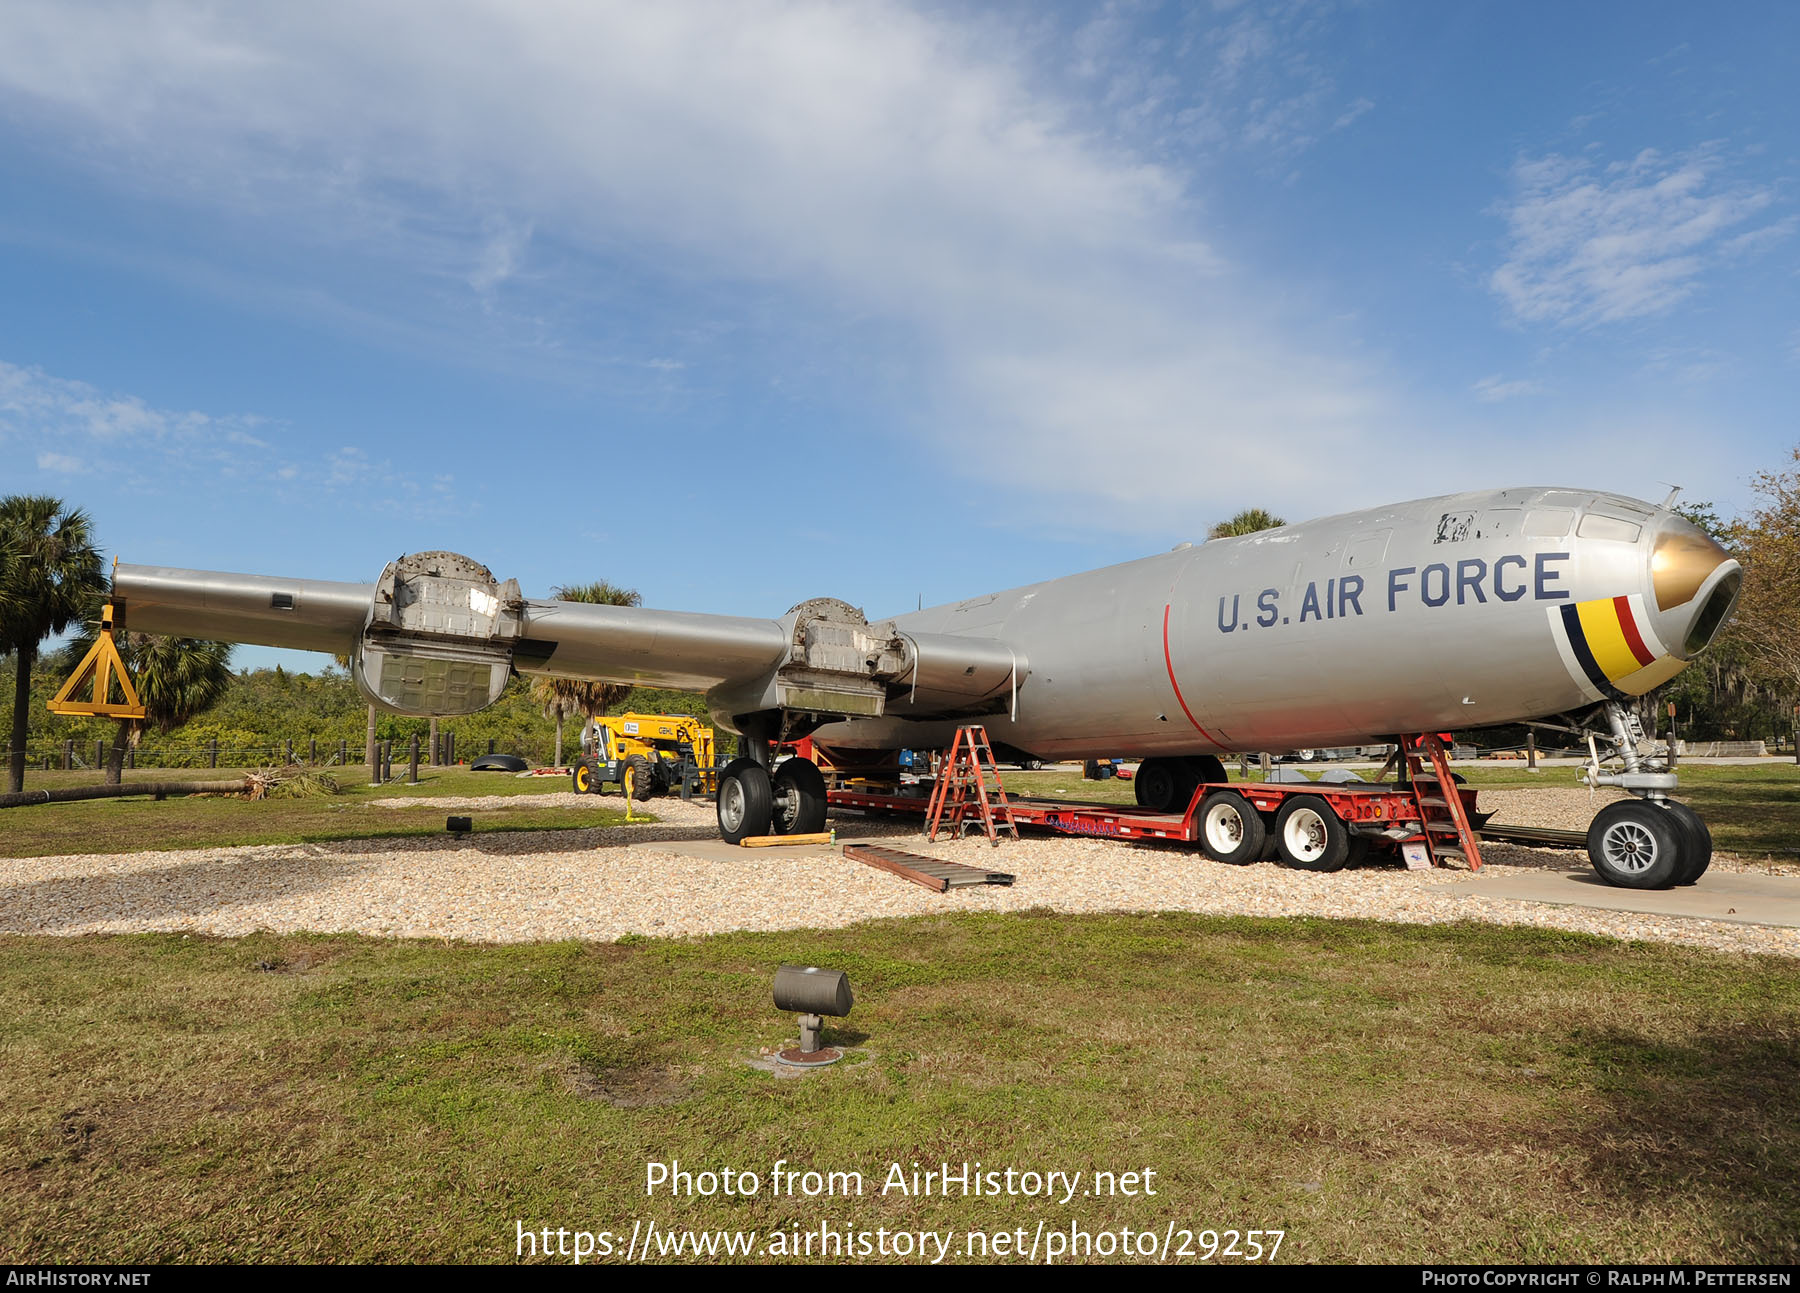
<point>743,303</point>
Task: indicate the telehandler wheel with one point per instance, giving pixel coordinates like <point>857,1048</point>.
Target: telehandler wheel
<point>799,798</point>
<point>583,778</point>
<point>1696,844</point>
<point>1231,830</point>
<point>746,803</point>
<point>643,777</point>
<point>1310,836</point>
<point>1637,845</point>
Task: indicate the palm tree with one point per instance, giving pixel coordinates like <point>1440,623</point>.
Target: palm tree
<point>177,679</point>
<point>52,574</point>
<point>564,697</point>
<point>1249,521</point>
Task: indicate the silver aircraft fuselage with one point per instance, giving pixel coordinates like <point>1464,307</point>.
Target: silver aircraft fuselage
<point>1462,611</point>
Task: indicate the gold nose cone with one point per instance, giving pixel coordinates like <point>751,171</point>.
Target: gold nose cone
<point>1680,563</point>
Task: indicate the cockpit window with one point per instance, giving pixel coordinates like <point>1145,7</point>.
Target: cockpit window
<point>1609,527</point>
<point>1548,522</point>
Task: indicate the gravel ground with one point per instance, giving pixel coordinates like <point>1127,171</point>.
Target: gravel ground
<point>607,882</point>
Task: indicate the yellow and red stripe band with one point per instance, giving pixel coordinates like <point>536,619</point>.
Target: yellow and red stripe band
<point>1609,645</point>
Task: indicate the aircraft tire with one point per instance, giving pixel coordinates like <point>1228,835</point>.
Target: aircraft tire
<point>1308,835</point>
<point>746,801</point>
<point>1198,770</point>
<point>1634,844</point>
<point>1231,830</point>
<point>1697,844</point>
<point>1157,786</point>
<point>799,807</point>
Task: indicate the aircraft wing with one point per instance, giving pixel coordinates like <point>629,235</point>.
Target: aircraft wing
<point>438,634</point>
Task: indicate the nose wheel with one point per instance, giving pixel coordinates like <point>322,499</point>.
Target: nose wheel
<point>1649,841</point>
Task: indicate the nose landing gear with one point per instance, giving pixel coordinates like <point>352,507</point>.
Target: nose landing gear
<point>1650,841</point>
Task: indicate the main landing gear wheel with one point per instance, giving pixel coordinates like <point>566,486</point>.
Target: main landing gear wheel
<point>799,798</point>
<point>746,802</point>
<point>1204,770</point>
<point>1157,785</point>
<point>1696,843</point>
<point>1231,830</point>
<point>1636,844</point>
<point>1166,785</point>
<point>1310,836</point>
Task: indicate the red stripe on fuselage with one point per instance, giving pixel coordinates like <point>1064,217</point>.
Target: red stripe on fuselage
<point>1633,639</point>
<point>1169,661</point>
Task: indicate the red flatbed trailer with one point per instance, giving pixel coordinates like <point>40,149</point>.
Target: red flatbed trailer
<point>1390,813</point>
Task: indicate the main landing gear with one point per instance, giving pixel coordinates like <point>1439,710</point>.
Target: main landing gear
<point>751,802</point>
<point>1166,785</point>
<point>1649,841</point>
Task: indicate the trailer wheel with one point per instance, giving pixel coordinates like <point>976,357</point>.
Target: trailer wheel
<point>1697,845</point>
<point>1310,836</point>
<point>1636,845</point>
<point>746,804</point>
<point>1231,830</point>
<point>799,798</point>
<point>1158,784</point>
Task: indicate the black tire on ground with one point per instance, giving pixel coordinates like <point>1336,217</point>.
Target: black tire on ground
<point>582,779</point>
<point>1157,785</point>
<point>799,798</point>
<point>1697,845</point>
<point>1231,830</point>
<point>1199,770</point>
<point>1310,836</point>
<point>1636,845</point>
<point>746,802</point>
<point>1031,765</point>
<point>643,777</point>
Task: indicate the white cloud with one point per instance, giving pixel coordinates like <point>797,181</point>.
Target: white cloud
<point>1351,113</point>
<point>36,407</point>
<point>72,428</point>
<point>1492,390</point>
<point>882,162</point>
<point>1590,245</point>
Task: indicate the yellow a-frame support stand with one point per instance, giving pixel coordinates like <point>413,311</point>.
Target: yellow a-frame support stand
<point>102,665</point>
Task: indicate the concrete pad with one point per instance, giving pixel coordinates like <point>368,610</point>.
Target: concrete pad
<point>1718,895</point>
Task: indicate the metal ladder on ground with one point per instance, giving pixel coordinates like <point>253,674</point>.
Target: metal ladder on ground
<point>1449,835</point>
<point>963,790</point>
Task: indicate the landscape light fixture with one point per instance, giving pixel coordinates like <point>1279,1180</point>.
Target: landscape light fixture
<point>459,826</point>
<point>812,992</point>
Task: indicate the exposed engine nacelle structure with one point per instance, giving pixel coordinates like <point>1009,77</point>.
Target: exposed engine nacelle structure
<point>439,636</point>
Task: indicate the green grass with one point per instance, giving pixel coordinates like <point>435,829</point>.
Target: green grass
<point>128,825</point>
<point>1381,1093</point>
